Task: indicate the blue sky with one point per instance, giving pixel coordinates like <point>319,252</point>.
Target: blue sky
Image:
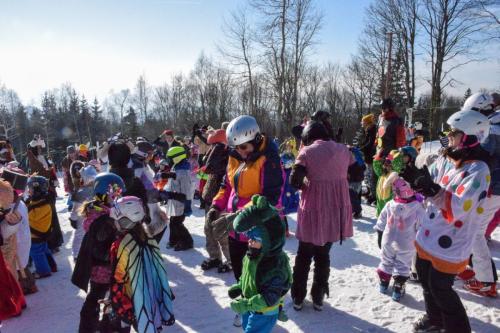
<point>102,45</point>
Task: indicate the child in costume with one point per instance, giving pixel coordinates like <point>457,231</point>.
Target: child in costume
<point>176,192</point>
<point>397,228</point>
<point>40,218</point>
<point>140,293</point>
<point>84,193</point>
<point>383,168</point>
<point>93,262</point>
<point>11,296</point>
<point>266,275</point>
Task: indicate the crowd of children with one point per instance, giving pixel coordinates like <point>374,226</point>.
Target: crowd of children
<point>434,215</point>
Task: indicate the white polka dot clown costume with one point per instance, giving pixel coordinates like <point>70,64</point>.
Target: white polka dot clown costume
<point>455,191</point>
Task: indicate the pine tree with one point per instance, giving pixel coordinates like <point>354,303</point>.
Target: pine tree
<point>98,129</point>
<point>85,118</point>
<point>74,111</point>
<point>467,94</point>
<point>131,127</point>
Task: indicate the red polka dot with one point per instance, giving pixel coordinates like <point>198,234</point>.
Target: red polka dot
<point>427,233</point>
<point>460,189</point>
<point>445,180</point>
<point>458,224</point>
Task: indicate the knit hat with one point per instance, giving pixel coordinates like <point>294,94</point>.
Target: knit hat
<point>368,119</point>
<point>83,147</point>
<point>168,132</point>
<point>218,136</point>
<point>6,194</point>
<point>118,154</point>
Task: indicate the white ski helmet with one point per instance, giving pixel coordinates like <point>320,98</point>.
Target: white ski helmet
<point>127,212</point>
<point>478,102</point>
<point>242,129</point>
<point>471,123</point>
<point>88,174</point>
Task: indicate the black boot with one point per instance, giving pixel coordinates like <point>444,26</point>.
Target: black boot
<point>300,273</point>
<point>318,293</point>
<point>321,274</point>
<point>399,287</point>
<point>424,325</point>
<point>210,263</point>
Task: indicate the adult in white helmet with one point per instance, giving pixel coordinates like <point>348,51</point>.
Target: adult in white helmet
<point>482,278</point>
<point>479,102</point>
<point>455,190</point>
<point>254,167</point>
<point>138,259</point>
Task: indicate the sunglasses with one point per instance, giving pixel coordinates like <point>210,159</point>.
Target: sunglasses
<point>454,132</point>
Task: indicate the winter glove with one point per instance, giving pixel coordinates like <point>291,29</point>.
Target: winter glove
<point>234,291</point>
<point>168,175</point>
<point>255,303</point>
<point>424,184</point>
<point>222,226</point>
<point>213,214</point>
<point>379,238</point>
<point>169,195</point>
<point>73,224</point>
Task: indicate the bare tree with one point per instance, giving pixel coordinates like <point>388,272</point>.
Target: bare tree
<point>142,93</point>
<point>9,103</point>
<point>306,22</point>
<point>452,34</point>
<point>274,34</point>
<point>120,99</point>
<point>398,17</point>
<point>238,48</point>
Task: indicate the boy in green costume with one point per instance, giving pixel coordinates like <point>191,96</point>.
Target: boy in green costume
<point>266,276</point>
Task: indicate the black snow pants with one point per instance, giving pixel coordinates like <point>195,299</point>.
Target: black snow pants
<point>89,315</point>
<point>178,232</point>
<point>442,304</point>
<point>321,256</point>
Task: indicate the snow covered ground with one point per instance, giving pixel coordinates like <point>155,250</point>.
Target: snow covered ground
<point>202,305</point>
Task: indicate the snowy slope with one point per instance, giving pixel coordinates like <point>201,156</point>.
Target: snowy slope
<point>202,305</point>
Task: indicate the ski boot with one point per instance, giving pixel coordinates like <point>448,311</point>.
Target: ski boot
<point>481,288</point>
<point>467,274</point>
<point>208,264</point>
<point>424,325</point>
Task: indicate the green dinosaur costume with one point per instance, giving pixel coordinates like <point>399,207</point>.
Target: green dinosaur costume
<point>266,276</point>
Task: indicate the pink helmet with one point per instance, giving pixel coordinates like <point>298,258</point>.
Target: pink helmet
<point>402,189</point>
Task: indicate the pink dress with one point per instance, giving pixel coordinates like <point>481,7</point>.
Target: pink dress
<point>325,213</point>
